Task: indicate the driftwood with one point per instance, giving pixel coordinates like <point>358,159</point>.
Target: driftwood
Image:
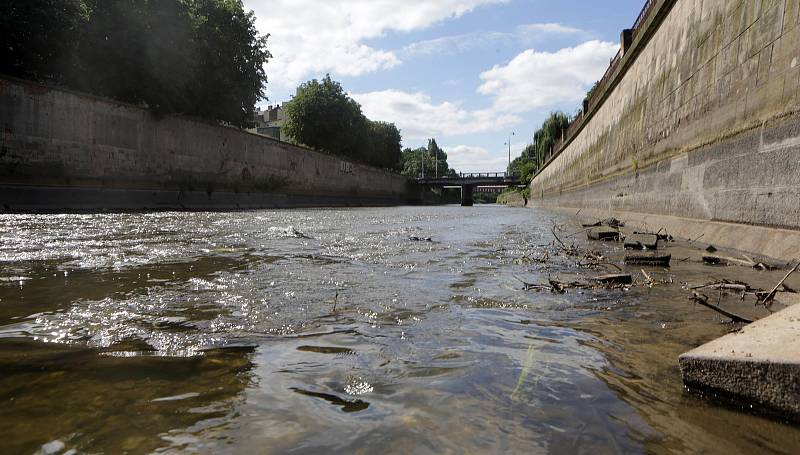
<point>769,299</point>
<point>614,278</point>
<point>703,300</point>
<point>569,250</point>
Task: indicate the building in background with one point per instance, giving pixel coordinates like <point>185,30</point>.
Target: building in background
<point>269,122</point>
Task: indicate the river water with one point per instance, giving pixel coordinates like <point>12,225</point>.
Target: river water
<point>311,331</point>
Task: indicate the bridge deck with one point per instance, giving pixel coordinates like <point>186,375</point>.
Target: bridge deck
<point>476,179</point>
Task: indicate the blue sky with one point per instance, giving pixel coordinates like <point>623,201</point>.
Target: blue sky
<point>467,72</point>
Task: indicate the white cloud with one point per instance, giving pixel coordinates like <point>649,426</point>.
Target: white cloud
<point>523,35</point>
<point>529,81</point>
<point>419,117</point>
<point>465,158</point>
<point>549,28</point>
<point>538,79</point>
<point>310,37</point>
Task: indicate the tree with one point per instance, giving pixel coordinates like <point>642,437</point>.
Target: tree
<point>199,57</point>
<point>38,37</point>
<point>439,166</point>
<point>229,57</point>
<point>415,160</point>
<point>321,115</point>
<point>138,51</point>
<point>386,145</point>
<point>544,140</point>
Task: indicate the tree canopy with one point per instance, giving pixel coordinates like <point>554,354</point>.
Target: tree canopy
<point>197,57</point>
<point>323,116</point>
<point>429,161</point>
<point>544,139</point>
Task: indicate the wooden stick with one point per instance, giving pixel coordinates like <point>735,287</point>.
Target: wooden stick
<point>726,286</point>
<point>529,286</point>
<point>769,299</point>
<point>646,276</point>
<point>703,300</point>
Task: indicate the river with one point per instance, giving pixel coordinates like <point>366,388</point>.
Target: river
<point>346,331</point>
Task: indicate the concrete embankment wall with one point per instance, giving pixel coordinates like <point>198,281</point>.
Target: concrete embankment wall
<point>64,150</point>
<point>699,122</point>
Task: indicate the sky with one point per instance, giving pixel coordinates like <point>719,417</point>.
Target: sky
<point>468,73</point>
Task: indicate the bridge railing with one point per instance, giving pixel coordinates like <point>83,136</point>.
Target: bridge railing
<point>470,175</point>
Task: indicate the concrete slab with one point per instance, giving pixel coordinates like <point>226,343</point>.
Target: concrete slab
<point>603,233</point>
<point>641,242</point>
<point>760,363</point>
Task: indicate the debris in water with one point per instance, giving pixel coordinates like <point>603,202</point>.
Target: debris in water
<point>768,300</point>
<point>614,278</point>
<point>642,242</point>
<point>603,233</point>
<point>703,300</point>
<point>656,259</point>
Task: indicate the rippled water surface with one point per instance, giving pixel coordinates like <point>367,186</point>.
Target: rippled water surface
<point>333,331</point>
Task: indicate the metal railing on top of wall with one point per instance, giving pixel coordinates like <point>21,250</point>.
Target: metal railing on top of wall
<point>598,95</point>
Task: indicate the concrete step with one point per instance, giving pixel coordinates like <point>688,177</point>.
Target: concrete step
<point>760,363</point>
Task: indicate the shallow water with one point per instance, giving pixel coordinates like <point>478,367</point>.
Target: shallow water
<point>331,331</point>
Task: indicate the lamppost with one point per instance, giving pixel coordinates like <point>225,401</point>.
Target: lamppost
<point>422,162</point>
<point>509,150</point>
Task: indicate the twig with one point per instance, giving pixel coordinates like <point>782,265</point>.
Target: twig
<point>529,286</point>
<point>725,286</point>
<point>698,238</point>
<point>553,230</point>
<point>580,232</point>
<point>703,300</point>
<point>769,299</point>
<point>646,276</point>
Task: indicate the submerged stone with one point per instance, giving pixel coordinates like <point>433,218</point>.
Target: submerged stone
<point>642,242</point>
<point>603,233</point>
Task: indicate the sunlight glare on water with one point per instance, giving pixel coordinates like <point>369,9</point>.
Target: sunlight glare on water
<point>337,330</point>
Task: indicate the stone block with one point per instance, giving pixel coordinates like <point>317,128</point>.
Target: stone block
<point>641,242</point>
<point>603,233</point>
<point>760,363</point>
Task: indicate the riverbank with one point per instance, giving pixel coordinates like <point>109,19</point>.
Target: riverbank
<point>63,150</point>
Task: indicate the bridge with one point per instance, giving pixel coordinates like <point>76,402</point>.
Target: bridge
<point>469,181</point>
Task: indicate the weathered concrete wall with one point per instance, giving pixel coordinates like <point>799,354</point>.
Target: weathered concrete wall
<point>65,150</point>
<point>700,122</point>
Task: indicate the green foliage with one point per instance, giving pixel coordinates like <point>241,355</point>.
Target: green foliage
<point>322,116</point>
<point>591,91</point>
<point>199,57</point>
<point>545,138</point>
<point>230,57</point>
<point>138,52</point>
<point>430,161</point>
<point>386,144</point>
<point>38,37</point>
